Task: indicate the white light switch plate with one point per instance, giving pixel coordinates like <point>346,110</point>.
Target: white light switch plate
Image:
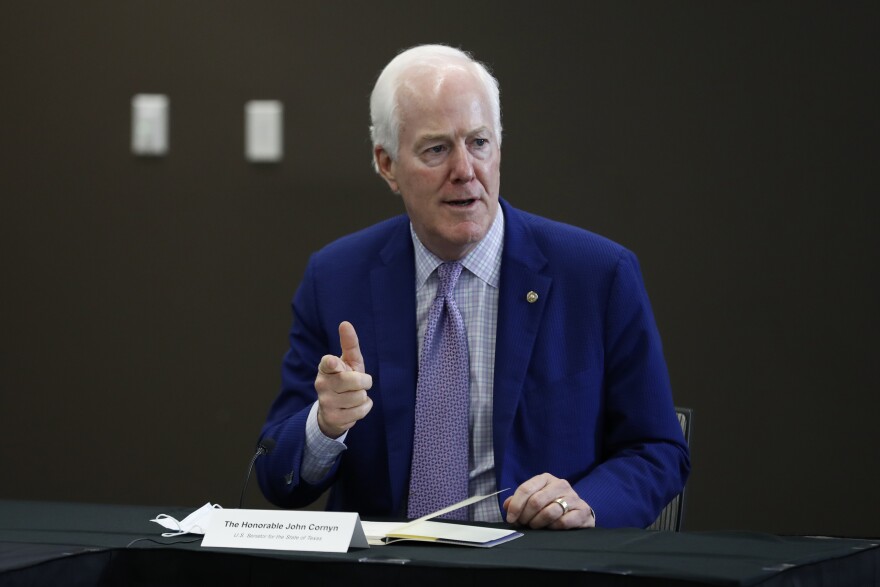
<point>149,124</point>
<point>264,131</point>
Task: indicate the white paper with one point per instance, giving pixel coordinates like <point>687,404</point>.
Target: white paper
<point>453,533</point>
<point>453,507</point>
<point>423,529</point>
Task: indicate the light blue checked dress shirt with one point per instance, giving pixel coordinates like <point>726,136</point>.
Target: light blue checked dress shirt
<point>477,296</point>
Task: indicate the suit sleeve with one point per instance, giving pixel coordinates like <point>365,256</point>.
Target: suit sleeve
<point>279,471</point>
<point>645,460</point>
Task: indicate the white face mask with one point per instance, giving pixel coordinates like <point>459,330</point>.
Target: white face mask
<point>195,523</point>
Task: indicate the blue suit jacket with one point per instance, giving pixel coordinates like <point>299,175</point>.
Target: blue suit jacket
<point>581,389</point>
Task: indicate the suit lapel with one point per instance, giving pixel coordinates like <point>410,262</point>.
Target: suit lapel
<point>519,321</point>
<point>393,289</point>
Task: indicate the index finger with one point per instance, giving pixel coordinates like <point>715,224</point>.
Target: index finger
<point>351,348</point>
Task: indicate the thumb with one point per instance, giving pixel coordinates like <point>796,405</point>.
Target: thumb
<point>351,348</point>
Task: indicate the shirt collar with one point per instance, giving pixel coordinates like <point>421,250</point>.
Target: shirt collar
<point>484,260</point>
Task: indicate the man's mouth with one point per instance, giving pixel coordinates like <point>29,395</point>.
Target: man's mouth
<point>461,203</point>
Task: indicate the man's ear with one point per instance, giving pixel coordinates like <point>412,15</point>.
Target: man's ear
<point>386,167</point>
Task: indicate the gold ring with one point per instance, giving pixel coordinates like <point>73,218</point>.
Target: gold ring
<point>562,504</point>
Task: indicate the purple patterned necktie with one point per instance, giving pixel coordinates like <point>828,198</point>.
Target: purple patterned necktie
<point>439,474</point>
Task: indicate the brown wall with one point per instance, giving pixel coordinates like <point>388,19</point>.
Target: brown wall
<point>144,309</point>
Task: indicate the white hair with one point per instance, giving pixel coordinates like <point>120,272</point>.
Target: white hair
<point>384,101</point>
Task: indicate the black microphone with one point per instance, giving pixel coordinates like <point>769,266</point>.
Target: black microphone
<point>265,447</point>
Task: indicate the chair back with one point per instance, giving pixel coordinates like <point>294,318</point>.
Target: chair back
<point>672,515</point>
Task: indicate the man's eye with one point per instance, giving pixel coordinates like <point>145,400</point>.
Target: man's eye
<point>435,149</point>
<point>481,142</point>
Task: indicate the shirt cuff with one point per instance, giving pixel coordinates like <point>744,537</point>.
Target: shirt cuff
<point>320,452</point>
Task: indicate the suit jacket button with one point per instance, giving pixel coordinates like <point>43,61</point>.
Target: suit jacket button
<point>532,297</point>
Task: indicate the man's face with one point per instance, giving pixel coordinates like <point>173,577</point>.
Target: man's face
<point>448,166</point>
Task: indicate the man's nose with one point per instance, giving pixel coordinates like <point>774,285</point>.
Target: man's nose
<point>462,166</point>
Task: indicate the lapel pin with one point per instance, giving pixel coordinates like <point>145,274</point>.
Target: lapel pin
<point>532,297</point>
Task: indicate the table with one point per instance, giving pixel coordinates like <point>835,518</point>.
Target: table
<point>52,543</point>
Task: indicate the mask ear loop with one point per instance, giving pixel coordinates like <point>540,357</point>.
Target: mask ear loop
<point>171,534</point>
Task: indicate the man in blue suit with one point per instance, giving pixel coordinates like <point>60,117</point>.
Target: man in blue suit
<point>570,407</point>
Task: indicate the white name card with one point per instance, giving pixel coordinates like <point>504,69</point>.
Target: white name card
<point>285,530</point>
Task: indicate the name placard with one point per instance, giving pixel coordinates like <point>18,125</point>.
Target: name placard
<point>285,530</point>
